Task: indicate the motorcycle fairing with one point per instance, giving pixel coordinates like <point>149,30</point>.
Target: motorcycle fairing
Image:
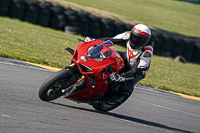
<point>91,59</point>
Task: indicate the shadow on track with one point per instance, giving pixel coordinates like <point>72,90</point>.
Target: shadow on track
<point>124,117</point>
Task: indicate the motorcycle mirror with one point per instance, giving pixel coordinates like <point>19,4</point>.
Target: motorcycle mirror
<point>80,40</point>
<point>71,51</point>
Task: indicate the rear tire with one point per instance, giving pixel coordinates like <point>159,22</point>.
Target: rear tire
<point>51,89</point>
<point>103,105</point>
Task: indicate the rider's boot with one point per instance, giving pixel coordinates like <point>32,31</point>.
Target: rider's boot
<point>114,88</point>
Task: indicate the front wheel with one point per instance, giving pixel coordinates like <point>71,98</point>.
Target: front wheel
<point>52,88</point>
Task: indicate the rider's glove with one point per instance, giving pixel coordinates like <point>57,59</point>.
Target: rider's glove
<point>116,78</point>
<point>88,39</point>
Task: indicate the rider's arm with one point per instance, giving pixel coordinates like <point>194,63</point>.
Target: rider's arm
<point>113,40</point>
<point>145,60</point>
<point>120,38</point>
<point>132,74</point>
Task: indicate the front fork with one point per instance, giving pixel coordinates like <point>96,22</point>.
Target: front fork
<point>69,89</point>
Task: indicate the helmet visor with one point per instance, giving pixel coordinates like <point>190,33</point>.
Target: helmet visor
<point>136,41</point>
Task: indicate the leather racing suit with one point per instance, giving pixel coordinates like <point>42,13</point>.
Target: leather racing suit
<point>137,61</point>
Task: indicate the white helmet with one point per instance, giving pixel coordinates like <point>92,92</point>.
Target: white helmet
<point>139,36</point>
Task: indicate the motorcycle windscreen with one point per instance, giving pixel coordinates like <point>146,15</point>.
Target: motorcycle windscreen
<point>101,51</point>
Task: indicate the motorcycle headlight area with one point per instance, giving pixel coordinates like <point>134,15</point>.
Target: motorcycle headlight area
<point>83,58</point>
<point>85,68</point>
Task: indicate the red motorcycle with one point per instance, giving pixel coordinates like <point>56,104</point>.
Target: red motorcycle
<point>86,80</point>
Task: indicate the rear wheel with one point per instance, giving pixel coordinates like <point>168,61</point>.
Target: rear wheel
<point>52,88</point>
<point>103,105</point>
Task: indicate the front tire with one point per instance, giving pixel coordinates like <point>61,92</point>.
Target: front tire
<point>51,89</point>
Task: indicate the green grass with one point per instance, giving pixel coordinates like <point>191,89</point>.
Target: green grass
<point>171,15</point>
<point>24,41</point>
<point>168,75</point>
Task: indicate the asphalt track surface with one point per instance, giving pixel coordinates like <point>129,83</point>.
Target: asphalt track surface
<point>146,111</point>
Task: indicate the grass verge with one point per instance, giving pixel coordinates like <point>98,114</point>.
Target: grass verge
<point>27,42</point>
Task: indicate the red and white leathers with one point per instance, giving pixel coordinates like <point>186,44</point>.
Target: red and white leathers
<point>137,61</point>
<point>140,57</point>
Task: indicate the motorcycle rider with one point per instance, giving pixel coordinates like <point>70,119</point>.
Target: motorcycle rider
<point>137,60</point>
